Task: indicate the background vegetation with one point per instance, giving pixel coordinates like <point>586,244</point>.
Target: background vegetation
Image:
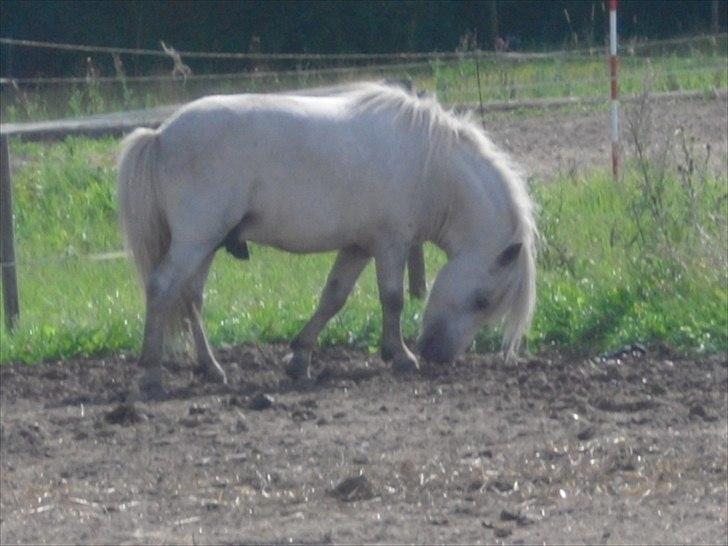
<point>323,26</point>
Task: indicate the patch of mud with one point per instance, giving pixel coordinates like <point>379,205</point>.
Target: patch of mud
<point>625,449</point>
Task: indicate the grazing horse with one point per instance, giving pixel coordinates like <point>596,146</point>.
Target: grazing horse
<point>368,171</point>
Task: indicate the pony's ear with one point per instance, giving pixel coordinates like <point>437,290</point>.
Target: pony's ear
<point>509,254</point>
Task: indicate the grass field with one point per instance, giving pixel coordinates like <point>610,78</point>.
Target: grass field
<point>641,261</point>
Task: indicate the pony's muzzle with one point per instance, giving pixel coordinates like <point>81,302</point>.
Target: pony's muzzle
<point>435,344</point>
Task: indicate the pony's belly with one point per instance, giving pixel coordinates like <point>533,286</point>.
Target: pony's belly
<point>299,238</point>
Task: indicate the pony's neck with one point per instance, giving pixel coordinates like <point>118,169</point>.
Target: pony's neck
<point>473,213</point>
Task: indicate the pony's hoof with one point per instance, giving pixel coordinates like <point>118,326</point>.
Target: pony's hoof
<point>405,364</point>
<point>212,372</point>
<point>298,366</point>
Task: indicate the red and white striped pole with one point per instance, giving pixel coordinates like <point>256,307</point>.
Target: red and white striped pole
<point>613,68</point>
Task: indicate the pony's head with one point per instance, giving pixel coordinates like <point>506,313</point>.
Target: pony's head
<point>481,215</point>
<point>470,292</point>
<point>490,233</point>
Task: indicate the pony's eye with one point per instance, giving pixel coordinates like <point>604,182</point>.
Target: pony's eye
<point>480,302</point>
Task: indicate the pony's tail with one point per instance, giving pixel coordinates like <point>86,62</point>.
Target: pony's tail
<point>143,222</point>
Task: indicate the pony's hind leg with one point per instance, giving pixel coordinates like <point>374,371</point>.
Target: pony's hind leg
<point>207,365</point>
<point>164,291</point>
<point>350,262</point>
<point>390,261</point>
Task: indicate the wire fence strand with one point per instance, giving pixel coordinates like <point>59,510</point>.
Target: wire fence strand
<point>267,56</point>
<point>220,76</point>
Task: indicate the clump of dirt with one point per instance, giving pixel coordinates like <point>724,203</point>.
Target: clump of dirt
<point>125,414</point>
<point>353,489</point>
<point>628,447</point>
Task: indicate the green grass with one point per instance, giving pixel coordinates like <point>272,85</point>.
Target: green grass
<point>642,260</point>
<point>615,269</point>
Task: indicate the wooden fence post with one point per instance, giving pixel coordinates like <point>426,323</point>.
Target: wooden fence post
<point>416,270</point>
<point>7,238</point>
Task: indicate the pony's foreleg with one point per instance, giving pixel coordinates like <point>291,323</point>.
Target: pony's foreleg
<point>416,270</point>
<point>349,264</point>
<point>163,295</point>
<point>390,264</point>
<point>206,362</point>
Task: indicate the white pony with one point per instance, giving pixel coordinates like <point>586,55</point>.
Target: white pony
<point>367,170</point>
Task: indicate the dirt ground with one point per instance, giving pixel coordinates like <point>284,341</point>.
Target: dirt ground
<point>546,143</point>
<point>629,448</point>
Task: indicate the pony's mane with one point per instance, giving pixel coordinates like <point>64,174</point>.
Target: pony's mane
<point>444,130</point>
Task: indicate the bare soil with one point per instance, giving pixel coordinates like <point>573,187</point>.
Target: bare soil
<point>551,142</point>
<point>627,449</point>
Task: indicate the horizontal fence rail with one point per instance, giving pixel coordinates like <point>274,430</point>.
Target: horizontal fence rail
<point>120,122</point>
